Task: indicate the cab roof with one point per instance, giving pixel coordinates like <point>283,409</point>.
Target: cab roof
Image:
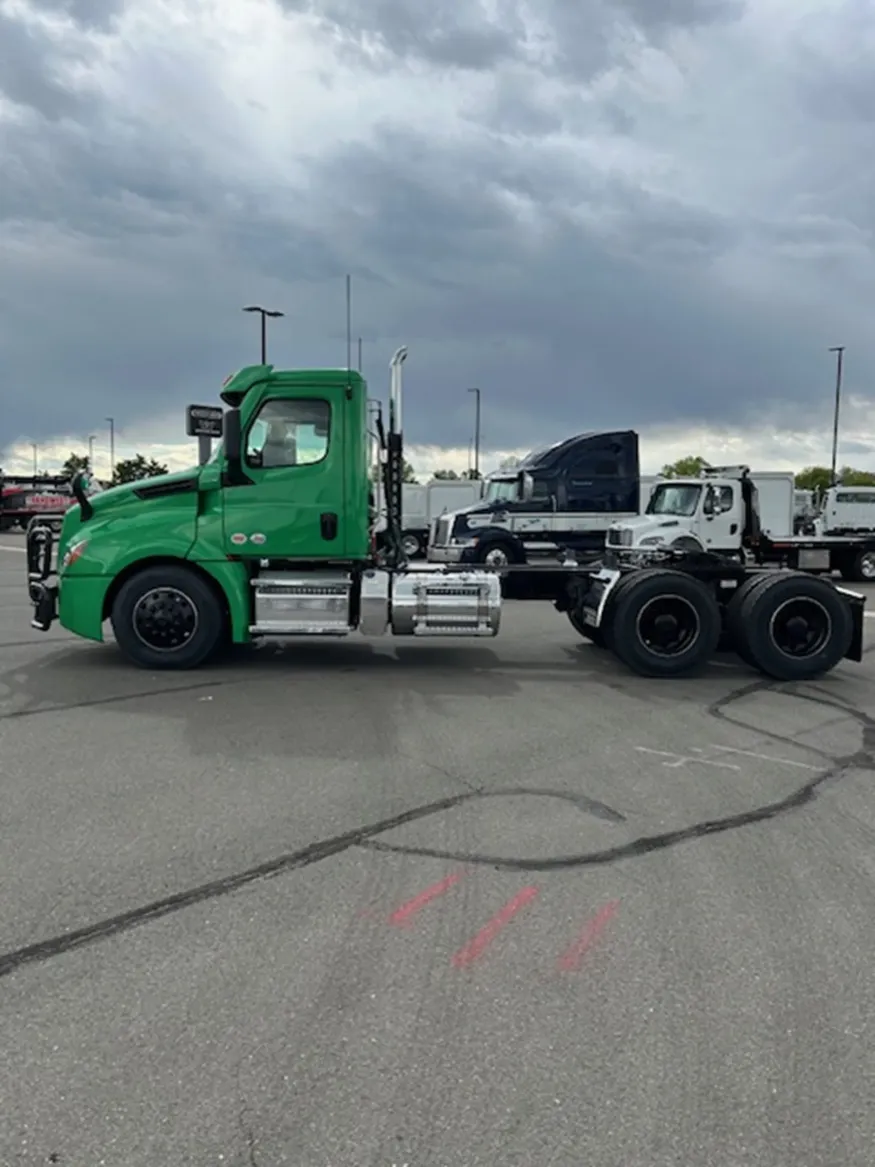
<point>238,384</point>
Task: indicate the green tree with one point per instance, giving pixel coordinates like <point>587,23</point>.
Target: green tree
<point>74,464</point>
<point>848,476</point>
<point>820,477</point>
<point>446,474</point>
<point>688,467</point>
<point>472,475</point>
<point>133,469</point>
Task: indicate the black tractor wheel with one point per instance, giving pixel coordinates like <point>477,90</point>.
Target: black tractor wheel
<point>664,623</point>
<point>795,626</point>
<point>167,617</point>
<point>496,553</point>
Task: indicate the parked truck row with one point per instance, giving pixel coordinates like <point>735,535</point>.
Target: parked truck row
<point>276,536</point>
<point>588,491</point>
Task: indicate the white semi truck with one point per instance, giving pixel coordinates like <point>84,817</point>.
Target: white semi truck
<point>729,511</point>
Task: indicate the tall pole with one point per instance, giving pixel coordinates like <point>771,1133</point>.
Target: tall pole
<point>264,312</point>
<point>839,350</point>
<point>360,355</point>
<point>476,393</point>
<point>111,421</point>
<point>35,449</point>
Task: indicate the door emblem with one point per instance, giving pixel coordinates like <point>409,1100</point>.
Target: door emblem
<point>238,538</point>
<point>258,539</point>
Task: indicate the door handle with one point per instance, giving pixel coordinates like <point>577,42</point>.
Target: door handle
<point>328,525</point>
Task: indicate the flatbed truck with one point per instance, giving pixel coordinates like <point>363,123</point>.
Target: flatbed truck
<point>274,537</point>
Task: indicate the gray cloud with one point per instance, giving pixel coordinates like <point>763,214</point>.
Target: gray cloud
<point>693,265</point>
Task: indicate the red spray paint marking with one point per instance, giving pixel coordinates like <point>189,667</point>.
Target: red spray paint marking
<point>401,917</point>
<point>572,958</point>
<point>476,947</point>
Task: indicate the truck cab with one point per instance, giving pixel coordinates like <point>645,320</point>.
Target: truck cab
<point>560,498</point>
<point>720,511</point>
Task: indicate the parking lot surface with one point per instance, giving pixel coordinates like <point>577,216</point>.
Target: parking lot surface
<point>455,904</point>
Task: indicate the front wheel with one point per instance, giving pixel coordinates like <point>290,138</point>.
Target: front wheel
<point>167,617</point>
<point>411,544</point>
<point>496,553</point>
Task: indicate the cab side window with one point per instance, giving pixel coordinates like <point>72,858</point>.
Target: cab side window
<point>289,432</point>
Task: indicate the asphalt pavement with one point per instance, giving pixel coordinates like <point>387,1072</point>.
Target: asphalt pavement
<point>443,904</point>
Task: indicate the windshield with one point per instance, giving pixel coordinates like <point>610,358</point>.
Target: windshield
<point>671,499</point>
<point>500,490</point>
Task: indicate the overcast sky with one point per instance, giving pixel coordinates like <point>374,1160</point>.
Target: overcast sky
<point>647,213</point>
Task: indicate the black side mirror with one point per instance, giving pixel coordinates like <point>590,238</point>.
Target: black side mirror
<point>233,436</point>
<point>78,487</point>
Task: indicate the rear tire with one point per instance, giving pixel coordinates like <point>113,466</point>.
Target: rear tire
<point>167,617</point>
<point>795,626</point>
<point>663,623</point>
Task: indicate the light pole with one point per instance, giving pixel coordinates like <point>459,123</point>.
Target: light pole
<point>265,312</point>
<point>111,421</point>
<point>476,392</point>
<point>839,350</point>
<point>35,448</point>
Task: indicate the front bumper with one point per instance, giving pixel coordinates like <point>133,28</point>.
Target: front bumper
<point>42,582</point>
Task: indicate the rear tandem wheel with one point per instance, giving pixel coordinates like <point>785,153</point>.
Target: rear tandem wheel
<point>790,625</point>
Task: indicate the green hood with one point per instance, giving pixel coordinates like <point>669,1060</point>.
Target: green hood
<point>126,492</point>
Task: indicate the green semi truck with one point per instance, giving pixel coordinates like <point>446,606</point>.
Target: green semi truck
<point>274,536</point>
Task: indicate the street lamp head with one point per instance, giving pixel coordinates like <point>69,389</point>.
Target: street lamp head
<point>263,311</point>
<point>837,348</point>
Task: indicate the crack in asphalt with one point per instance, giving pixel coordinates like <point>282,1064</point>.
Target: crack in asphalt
<point>366,836</point>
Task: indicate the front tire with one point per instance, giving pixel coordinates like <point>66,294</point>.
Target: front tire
<point>167,617</point>
<point>412,545</point>
<point>496,553</point>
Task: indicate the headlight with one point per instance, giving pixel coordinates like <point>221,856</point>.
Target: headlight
<point>74,552</point>
<point>651,541</point>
